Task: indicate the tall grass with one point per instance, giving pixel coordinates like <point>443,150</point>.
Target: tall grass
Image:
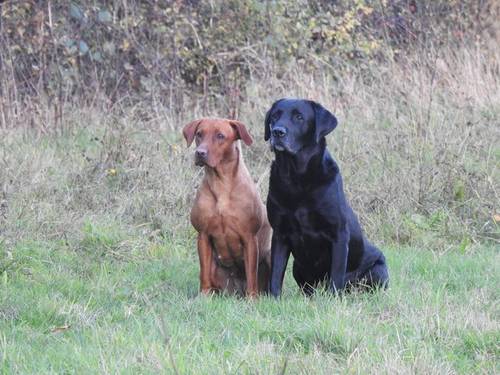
<point>98,263</point>
<point>417,143</point>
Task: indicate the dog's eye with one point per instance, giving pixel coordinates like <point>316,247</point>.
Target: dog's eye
<point>198,135</point>
<point>275,116</point>
<point>299,117</point>
<point>220,136</point>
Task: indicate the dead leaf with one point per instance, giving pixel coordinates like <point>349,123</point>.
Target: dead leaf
<point>60,329</point>
<point>125,45</point>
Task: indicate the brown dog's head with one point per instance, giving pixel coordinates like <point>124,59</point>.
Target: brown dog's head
<point>215,139</point>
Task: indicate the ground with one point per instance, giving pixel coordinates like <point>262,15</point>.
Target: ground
<point>98,261</point>
<point>96,310</point>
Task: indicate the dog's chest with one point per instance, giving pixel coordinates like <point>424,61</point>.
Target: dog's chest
<point>304,226</point>
<point>226,242</point>
<point>219,214</point>
<point>222,223</point>
<point>304,219</point>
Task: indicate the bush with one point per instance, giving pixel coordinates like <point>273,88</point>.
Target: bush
<point>115,48</point>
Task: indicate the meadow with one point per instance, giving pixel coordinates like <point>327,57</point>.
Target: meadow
<point>98,263</point>
<point>98,260</point>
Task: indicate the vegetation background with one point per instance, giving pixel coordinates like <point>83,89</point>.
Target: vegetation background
<point>98,264</point>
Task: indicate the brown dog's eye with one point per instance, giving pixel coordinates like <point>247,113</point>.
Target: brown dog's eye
<point>220,136</point>
<point>198,135</point>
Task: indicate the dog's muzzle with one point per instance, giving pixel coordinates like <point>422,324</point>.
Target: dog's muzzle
<point>278,134</point>
<point>277,146</point>
<point>200,157</point>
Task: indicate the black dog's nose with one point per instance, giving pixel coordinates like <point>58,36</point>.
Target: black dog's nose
<point>201,154</point>
<point>278,131</point>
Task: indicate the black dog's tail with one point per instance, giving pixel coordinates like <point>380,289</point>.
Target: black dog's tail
<point>372,272</point>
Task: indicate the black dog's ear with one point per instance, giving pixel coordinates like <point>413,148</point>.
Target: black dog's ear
<point>325,121</point>
<point>267,121</point>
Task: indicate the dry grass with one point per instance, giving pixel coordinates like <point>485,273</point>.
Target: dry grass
<point>98,267</point>
<point>417,143</point>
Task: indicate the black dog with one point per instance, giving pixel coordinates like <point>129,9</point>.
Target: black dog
<point>307,208</point>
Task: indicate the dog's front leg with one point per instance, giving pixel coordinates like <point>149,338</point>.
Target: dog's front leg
<point>251,254</point>
<point>340,251</point>
<point>205,255</point>
<point>279,259</point>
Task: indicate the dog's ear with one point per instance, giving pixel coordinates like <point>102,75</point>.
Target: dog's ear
<point>189,130</point>
<point>242,132</point>
<point>267,121</point>
<point>325,121</point>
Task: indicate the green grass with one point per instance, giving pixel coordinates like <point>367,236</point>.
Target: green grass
<point>104,305</point>
<point>99,272</point>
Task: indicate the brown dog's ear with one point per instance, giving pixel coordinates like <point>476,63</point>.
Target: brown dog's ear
<point>189,130</point>
<point>242,132</point>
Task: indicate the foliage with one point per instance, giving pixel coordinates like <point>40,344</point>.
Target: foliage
<point>63,49</point>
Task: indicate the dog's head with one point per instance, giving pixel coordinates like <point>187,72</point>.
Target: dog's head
<point>215,139</point>
<point>292,124</point>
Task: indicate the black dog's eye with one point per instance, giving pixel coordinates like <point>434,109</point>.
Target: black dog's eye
<point>220,136</point>
<point>275,116</point>
<point>299,117</point>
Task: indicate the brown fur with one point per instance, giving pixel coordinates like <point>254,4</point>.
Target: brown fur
<point>234,235</point>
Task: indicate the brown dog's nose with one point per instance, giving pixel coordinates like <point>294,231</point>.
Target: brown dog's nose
<point>201,154</point>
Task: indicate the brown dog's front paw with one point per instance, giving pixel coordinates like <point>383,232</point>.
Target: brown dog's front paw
<point>252,295</point>
<point>207,291</point>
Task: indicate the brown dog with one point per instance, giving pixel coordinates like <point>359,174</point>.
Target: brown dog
<point>234,235</point>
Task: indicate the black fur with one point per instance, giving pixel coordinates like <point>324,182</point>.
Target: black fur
<point>307,208</point>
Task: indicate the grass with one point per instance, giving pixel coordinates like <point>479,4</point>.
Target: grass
<point>98,265</point>
<point>96,309</point>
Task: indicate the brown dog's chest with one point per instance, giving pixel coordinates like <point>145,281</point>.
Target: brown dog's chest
<point>224,225</point>
<point>226,244</point>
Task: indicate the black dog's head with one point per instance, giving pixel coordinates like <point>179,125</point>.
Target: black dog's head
<point>292,124</point>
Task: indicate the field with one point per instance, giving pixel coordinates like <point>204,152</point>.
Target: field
<point>98,310</point>
<point>98,261</point>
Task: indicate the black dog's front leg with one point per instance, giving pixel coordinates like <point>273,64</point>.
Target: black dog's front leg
<point>279,259</point>
<point>340,250</point>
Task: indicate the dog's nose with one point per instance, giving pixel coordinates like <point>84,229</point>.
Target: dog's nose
<point>201,154</point>
<point>278,131</point>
